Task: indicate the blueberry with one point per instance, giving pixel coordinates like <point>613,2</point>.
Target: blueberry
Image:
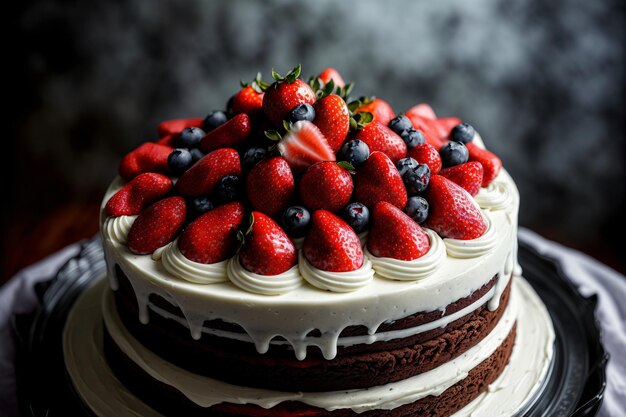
<point>253,156</point>
<point>214,119</point>
<point>416,180</point>
<point>400,123</point>
<point>179,160</point>
<point>190,137</point>
<point>412,137</point>
<point>201,205</point>
<point>355,152</point>
<point>229,188</point>
<point>406,164</point>
<point>196,154</point>
<point>357,216</point>
<point>296,221</point>
<point>417,208</point>
<point>463,133</point>
<point>301,112</point>
<point>453,153</point>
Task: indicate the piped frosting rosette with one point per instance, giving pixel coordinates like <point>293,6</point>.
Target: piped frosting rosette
<point>336,281</point>
<point>496,196</point>
<point>117,228</point>
<point>182,267</point>
<point>473,248</point>
<point>263,284</point>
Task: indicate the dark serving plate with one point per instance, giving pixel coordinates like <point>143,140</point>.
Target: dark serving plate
<point>574,387</point>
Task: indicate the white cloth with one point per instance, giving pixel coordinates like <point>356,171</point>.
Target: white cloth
<point>592,277</point>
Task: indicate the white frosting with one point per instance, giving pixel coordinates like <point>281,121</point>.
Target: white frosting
<point>117,228</point>
<point>473,248</point>
<point>336,281</point>
<point>496,196</point>
<point>263,284</point>
<point>182,267</point>
<point>414,270</point>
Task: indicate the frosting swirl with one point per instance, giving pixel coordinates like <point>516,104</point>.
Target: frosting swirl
<point>465,249</point>
<point>336,281</point>
<point>495,197</point>
<point>117,228</point>
<point>182,267</point>
<point>263,284</point>
<point>416,269</point>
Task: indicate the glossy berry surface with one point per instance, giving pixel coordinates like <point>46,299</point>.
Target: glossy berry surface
<point>463,133</point>
<point>416,180</point>
<point>453,153</point>
<point>253,156</point>
<point>404,165</point>
<point>355,152</point>
<point>229,187</point>
<point>400,123</point>
<point>412,137</point>
<point>357,216</point>
<point>179,160</point>
<point>200,205</point>
<point>191,136</point>
<point>214,119</point>
<point>196,154</point>
<point>417,209</point>
<point>296,220</point>
<point>301,112</point>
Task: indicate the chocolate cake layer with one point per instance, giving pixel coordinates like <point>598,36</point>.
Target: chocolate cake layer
<point>171,402</point>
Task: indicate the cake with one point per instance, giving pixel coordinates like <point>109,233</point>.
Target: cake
<point>306,254</point>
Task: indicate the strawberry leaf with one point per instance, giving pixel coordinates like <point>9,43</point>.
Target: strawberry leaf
<point>347,166</point>
<point>328,88</point>
<point>286,125</point>
<point>294,74</point>
<point>273,135</point>
<point>276,76</point>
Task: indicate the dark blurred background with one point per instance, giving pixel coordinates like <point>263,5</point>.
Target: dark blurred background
<point>89,81</point>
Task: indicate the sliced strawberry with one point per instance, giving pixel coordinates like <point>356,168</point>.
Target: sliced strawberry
<point>380,138</point>
<point>395,235</point>
<point>490,162</point>
<point>327,186</point>
<point>267,250</point>
<point>285,94</point>
<point>204,175</point>
<point>247,100</point>
<point>425,153</point>
<point>445,125</point>
<point>380,109</point>
<point>212,237</point>
<point>305,145</point>
<point>157,225</point>
<point>453,213</point>
<point>230,134</point>
<point>139,193</point>
<point>429,127</point>
<point>468,175</point>
<point>332,74</point>
<point>332,117</point>
<point>174,127</point>
<point>422,110</point>
<point>149,157</point>
<point>332,245</point>
<point>270,186</point>
<point>379,180</point>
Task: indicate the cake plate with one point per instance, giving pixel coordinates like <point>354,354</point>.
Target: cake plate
<point>574,386</point>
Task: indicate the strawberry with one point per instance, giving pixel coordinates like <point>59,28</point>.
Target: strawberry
<point>490,162</point>
<point>285,94</point>
<point>425,153</point>
<point>140,192</point>
<point>230,134</point>
<point>445,125</point>
<point>395,235</point>
<point>149,157</point>
<point>157,225</point>
<point>267,250</point>
<point>247,100</point>
<point>168,140</point>
<point>305,145</point>
<point>332,74</point>
<point>333,119</point>
<point>203,177</point>
<point>468,175</point>
<point>327,186</point>
<point>453,213</point>
<point>212,237</point>
<point>379,180</point>
<point>380,109</point>
<point>380,138</point>
<point>270,186</point>
<point>174,127</point>
<point>423,110</point>
<point>332,245</point>
<point>429,127</point>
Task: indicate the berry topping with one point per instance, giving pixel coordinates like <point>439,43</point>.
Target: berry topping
<point>196,154</point>
<point>395,235</point>
<point>422,110</point>
<point>270,186</point>
<point>202,178</point>
<point>140,192</point>
<point>149,157</point>
<point>157,225</point>
<point>327,186</point>
<point>490,162</point>
<point>214,120</point>
<point>174,127</point>
<point>412,137</point>
<point>332,117</point>
<point>200,205</point>
<point>212,237</point>
<point>230,134</point>
<point>355,152</point>
<point>267,250</point>
<point>305,145</point>
<point>417,209</point>
<point>179,161</point>
<point>416,180</point>
<point>296,221</point>
<point>427,125</point>
<point>190,137</point>
<point>247,100</point>
<point>463,133</point>
<point>426,153</point>
<point>253,156</point>
<point>379,180</point>
<point>301,112</point>
<point>285,94</point>
<point>446,124</point>
<point>332,74</point>
<point>405,165</point>
<point>453,212</point>
<point>400,123</point>
<point>380,109</point>
<point>453,153</point>
<point>380,138</point>
<point>468,175</point>
<point>332,245</point>
<point>357,216</point>
<point>229,188</point>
